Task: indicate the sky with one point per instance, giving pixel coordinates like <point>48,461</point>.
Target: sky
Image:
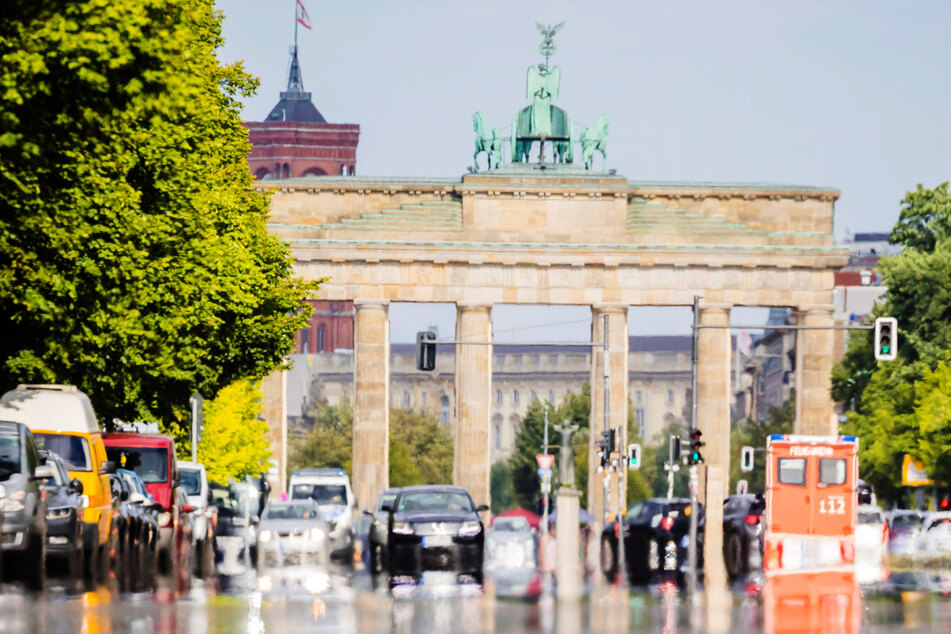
<point>850,95</point>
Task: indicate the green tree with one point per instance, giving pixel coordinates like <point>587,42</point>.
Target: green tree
<point>754,434</point>
<point>329,442</point>
<point>134,256</point>
<point>500,485</point>
<point>234,439</point>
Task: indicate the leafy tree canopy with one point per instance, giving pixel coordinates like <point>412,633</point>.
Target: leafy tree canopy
<point>134,257</point>
<point>234,439</point>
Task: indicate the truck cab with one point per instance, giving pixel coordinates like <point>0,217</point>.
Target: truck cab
<point>810,502</point>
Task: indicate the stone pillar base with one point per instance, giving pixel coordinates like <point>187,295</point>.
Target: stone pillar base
<point>568,567</point>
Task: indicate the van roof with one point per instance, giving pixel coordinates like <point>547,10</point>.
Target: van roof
<point>126,439</point>
<point>60,408</point>
<point>332,472</point>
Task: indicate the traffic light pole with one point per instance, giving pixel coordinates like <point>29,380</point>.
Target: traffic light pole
<point>694,479</point>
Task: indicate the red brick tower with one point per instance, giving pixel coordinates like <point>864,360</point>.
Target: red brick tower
<point>296,140</point>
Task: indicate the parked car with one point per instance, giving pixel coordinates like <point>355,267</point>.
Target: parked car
<point>937,538</point>
<point>375,533</point>
<point>146,512</point>
<point>194,480</point>
<point>184,538</point>
<point>743,533</point>
<point>152,457</point>
<point>23,506</point>
<point>871,545</point>
<point>433,527</point>
<point>655,539</point>
<point>293,547</point>
<point>65,503</point>
<point>330,489</point>
<point>124,554</point>
<point>906,531</point>
<point>236,530</point>
<point>63,421</point>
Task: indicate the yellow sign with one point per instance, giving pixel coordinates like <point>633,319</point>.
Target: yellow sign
<point>913,473</point>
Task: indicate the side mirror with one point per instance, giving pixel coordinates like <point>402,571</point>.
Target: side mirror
<point>76,485</point>
<point>107,467</point>
<point>43,472</point>
<point>386,508</point>
<point>187,508</point>
<point>255,520</point>
<point>482,508</point>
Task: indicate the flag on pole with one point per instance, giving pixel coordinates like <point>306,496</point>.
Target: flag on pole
<point>744,342</point>
<point>302,16</point>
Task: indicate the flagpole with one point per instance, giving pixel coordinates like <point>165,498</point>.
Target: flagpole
<point>295,28</point>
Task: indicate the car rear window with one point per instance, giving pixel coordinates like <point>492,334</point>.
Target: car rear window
<point>907,520</point>
<point>151,463</point>
<point>191,480</point>
<point>871,517</point>
<point>74,450</point>
<point>792,471</point>
<point>831,471</point>
<point>434,501</point>
<point>321,493</point>
<point>9,451</point>
<point>940,521</point>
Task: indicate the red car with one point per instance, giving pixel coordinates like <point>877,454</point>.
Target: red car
<point>152,457</point>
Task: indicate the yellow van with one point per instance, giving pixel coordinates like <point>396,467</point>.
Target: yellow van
<point>63,421</point>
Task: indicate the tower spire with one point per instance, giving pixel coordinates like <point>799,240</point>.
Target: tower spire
<point>295,81</point>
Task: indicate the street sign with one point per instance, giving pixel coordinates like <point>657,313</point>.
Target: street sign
<point>913,473</point>
<point>545,460</point>
<point>544,474</point>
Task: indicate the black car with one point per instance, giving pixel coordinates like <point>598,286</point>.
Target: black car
<point>435,527</point>
<point>23,506</point>
<point>655,539</point>
<point>743,533</point>
<point>64,518</point>
<point>372,529</point>
<point>126,557</point>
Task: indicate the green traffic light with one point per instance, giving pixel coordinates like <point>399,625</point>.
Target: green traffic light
<point>886,348</point>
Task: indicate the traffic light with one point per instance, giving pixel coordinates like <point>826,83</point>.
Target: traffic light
<point>605,447</point>
<point>426,351</point>
<point>746,459</point>
<point>886,339</point>
<point>674,449</point>
<point>695,457</point>
<point>634,456</point>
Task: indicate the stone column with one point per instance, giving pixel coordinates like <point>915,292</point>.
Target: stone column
<point>713,388</point>
<point>815,414</point>
<point>618,349</point>
<point>371,401</point>
<point>472,462</point>
<point>274,411</point>
<point>568,566</point>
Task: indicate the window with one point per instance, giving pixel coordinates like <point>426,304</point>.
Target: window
<point>321,330</point>
<point>191,481</point>
<point>498,397</point>
<point>515,397</point>
<point>534,396</point>
<point>553,359</point>
<point>514,433</point>
<point>792,471</point>
<point>405,398</point>
<point>444,410</point>
<point>670,397</point>
<point>151,463</point>
<point>831,471</point>
<point>498,436</point>
<point>640,396</point>
<point>551,396</point>
<point>424,399</point>
<point>73,449</point>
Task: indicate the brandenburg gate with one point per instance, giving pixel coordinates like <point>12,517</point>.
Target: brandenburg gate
<point>557,233</point>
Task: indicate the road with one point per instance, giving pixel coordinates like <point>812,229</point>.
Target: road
<point>915,602</point>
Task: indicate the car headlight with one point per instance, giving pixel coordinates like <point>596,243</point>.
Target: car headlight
<point>85,500</point>
<point>402,528</point>
<point>470,529</point>
<point>12,506</point>
<point>165,519</point>
<point>265,536</point>
<point>316,534</point>
<point>58,514</point>
<point>19,495</point>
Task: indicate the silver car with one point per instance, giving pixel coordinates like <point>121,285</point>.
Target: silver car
<point>293,547</point>
<point>906,532</point>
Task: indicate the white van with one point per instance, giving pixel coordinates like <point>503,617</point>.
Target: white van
<point>330,488</point>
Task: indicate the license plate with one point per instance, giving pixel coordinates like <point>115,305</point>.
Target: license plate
<point>436,541</point>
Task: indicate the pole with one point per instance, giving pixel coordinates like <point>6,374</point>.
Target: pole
<point>194,432</point>
<point>692,546</point>
<point>546,497</point>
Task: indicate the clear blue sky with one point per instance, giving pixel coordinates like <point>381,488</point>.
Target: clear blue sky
<point>853,95</point>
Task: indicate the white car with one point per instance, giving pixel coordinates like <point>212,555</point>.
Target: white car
<point>906,532</point>
<point>195,482</point>
<point>937,535</point>
<point>871,540</point>
<point>330,489</point>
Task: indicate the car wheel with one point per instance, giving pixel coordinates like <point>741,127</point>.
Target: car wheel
<point>734,556</point>
<point>31,564</point>
<point>608,558</point>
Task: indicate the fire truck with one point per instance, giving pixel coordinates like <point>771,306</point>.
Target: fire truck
<point>809,541</point>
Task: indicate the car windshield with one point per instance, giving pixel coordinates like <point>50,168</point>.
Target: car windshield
<point>60,476</point>
<point>151,463</point>
<point>870,517</point>
<point>321,493</point>
<point>908,520</point>
<point>9,451</point>
<point>290,512</point>
<point>191,481</point>
<point>434,501</point>
<point>940,521</point>
<point>72,449</point>
<point>386,499</point>
<point>513,524</point>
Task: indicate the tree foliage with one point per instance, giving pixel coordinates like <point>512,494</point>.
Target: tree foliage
<point>234,439</point>
<point>901,407</point>
<point>134,257</point>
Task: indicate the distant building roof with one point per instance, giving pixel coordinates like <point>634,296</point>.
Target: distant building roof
<point>295,104</point>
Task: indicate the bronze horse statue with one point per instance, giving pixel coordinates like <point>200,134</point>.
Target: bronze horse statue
<point>488,141</point>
